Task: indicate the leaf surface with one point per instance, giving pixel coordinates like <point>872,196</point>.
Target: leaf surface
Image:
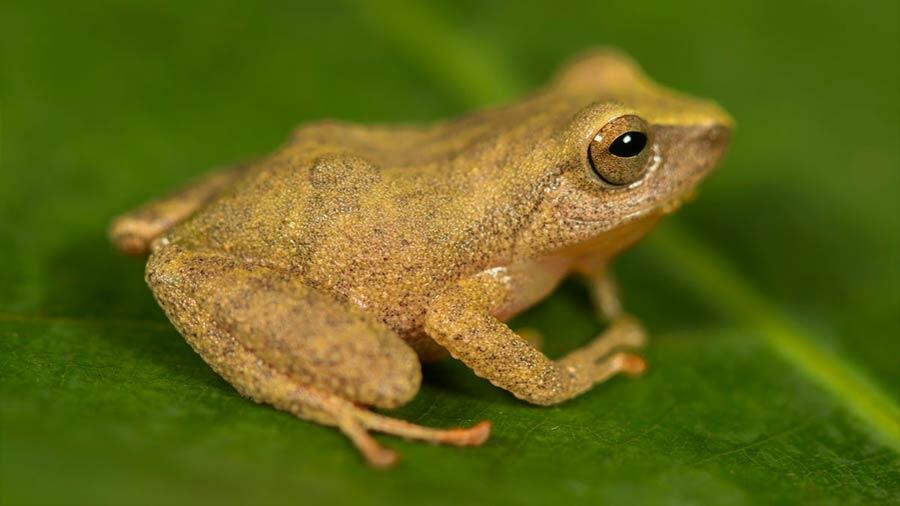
<point>772,299</point>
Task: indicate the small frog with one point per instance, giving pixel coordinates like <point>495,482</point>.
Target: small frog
<point>318,279</point>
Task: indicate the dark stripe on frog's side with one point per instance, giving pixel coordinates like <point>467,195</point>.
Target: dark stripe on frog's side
<point>337,183</point>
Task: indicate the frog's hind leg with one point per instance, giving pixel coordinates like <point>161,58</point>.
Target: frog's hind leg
<point>133,233</point>
<point>283,343</point>
<point>356,422</point>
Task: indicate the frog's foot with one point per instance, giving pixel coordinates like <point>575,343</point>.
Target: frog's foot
<point>603,356</point>
<point>356,422</point>
<point>624,332</point>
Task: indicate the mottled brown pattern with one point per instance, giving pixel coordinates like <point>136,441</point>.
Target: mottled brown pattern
<point>312,279</point>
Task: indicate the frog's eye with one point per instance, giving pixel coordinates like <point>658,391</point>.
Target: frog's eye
<point>619,151</point>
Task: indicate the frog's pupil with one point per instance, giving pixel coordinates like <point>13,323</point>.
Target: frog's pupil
<point>628,144</point>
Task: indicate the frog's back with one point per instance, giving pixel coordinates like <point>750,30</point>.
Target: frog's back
<point>385,218</point>
<point>435,181</point>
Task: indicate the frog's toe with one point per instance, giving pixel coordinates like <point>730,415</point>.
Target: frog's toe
<point>375,454</point>
<point>476,435</point>
<point>620,363</point>
<point>356,422</point>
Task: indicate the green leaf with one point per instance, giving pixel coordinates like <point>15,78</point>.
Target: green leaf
<point>772,299</point>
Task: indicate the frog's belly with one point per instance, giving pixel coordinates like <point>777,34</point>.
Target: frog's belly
<point>530,282</point>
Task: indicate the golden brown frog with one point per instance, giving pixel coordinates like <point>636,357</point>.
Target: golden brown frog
<point>316,279</point>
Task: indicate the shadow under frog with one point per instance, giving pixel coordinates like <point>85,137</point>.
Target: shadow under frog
<point>85,279</point>
<point>319,278</point>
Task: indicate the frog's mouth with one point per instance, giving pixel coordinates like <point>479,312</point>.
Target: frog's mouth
<point>664,209</point>
<point>675,204</point>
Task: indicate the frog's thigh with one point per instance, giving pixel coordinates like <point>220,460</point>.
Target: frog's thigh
<point>294,329</point>
<point>297,349</point>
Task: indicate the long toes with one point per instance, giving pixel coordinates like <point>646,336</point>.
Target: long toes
<point>462,436</point>
<point>475,435</point>
<point>382,457</point>
<point>375,454</point>
<point>629,363</point>
<point>632,333</point>
<point>356,422</point>
<point>620,363</point>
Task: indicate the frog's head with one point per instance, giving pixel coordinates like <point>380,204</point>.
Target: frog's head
<point>632,152</point>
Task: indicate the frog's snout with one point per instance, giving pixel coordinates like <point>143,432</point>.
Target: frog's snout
<point>713,140</point>
<point>709,144</point>
<point>688,153</point>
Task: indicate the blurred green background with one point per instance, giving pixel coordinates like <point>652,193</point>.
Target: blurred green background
<point>773,300</point>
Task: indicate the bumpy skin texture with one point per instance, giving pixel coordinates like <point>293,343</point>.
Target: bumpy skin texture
<point>317,278</point>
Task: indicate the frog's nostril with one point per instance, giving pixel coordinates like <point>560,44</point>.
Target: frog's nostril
<point>712,137</point>
<point>713,141</point>
<point>718,133</point>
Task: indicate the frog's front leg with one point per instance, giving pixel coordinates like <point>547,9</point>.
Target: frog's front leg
<point>133,232</point>
<point>280,342</point>
<point>602,284</point>
<point>462,320</point>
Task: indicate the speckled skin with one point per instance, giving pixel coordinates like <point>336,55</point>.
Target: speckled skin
<point>316,279</point>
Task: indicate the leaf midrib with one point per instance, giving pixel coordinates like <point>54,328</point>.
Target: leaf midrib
<point>478,80</point>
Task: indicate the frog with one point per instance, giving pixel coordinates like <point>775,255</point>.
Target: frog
<point>318,279</point>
